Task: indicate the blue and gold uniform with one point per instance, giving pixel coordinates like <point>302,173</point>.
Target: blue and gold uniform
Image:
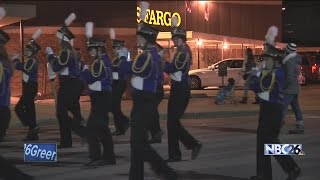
<point>25,108</point>
<point>269,86</point>
<point>144,81</point>
<point>121,71</point>
<point>179,98</point>
<point>6,72</point>
<point>155,130</point>
<point>98,75</point>
<point>66,65</point>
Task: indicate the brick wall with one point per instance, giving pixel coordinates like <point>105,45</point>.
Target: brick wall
<point>13,46</point>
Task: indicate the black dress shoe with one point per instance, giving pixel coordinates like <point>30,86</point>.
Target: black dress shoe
<point>118,133</point>
<point>195,151</point>
<point>33,137</point>
<point>169,160</point>
<point>294,173</point>
<point>60,146</point>
<point>154,141</point>
<point>256,178</point>
<point>99,162</point>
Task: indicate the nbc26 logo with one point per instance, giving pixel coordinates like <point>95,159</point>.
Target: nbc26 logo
<point>39,152</point>
<point>283,149</point>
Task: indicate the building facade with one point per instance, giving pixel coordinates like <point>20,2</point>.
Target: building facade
<point>216,29</point>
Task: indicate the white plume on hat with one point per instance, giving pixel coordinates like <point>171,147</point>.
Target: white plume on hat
<point>36,34</point>
<point>174,21</point>
<point>271,35</point>
<point>112,33</point>
<point>70,19</point>
<point>2,12</point>
<point>144,6</point>
<point>89,29</point>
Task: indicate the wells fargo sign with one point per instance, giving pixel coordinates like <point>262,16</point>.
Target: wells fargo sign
<point>158,18</point>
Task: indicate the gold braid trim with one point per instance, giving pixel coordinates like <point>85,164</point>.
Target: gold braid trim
<point>59,59</point>
<point>31,66</point>
<point>97,74</point>
<point>116,64</point>
<point>176,61</point>
<point>264,74</point>
<point>137,70</point>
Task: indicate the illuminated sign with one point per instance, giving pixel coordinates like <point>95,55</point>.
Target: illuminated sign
<point>159,18</point>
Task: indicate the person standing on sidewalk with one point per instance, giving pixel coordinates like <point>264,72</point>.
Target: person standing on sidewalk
<point>179,96</point>
<point>98,75</point>
<point>155,129</point>
<point>67,66</point>
<point>145,72</point>
<point>25,108</point>
<point>248,64</point>
<point>270,90</point>
<point>121,67</point>
<point>292,62</point>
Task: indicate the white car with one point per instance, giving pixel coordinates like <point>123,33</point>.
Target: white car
<point>205,77</point>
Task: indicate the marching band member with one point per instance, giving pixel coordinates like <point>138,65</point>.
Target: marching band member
<point>120,72</point>
<point>179,97</point>
<point>145,69</point>
<point>6,72</point>
<point>98,75</point>
<point>25,108</point>
<point>155,130</point>
<point>8,171</point>
<point>67,66</point>
<point>269,89</point>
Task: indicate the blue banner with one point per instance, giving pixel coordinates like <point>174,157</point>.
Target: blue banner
<point>40,152</point>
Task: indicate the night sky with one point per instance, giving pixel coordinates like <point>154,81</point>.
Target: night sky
<point>301,22</point>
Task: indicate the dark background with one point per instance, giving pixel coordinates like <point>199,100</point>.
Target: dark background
<point>301,22</point>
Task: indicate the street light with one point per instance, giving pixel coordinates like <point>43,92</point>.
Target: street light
<point>199,43</point>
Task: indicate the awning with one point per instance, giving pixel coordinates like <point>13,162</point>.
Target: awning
<point>16,13</point>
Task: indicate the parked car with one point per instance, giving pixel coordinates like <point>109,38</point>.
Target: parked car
<point>205,77</point>
<point>311,66</point>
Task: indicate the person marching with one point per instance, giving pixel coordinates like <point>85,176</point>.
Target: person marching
<point>145,69</point>
<point>67,66</point>
<point>269,89</point>
<point>120,72</point>
<point>25,108</point>
<point>179,96</point>
<point>155,130</point>
<point>98,75</point>
<point>6,72</point>
<point>8,170</point>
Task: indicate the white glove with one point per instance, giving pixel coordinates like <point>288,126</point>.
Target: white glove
<point>15,56</point>
<point>51,73</point>
<point>49,51</point>
<point>122,52</point>
<point>161,53</point>
<point>85,67</point>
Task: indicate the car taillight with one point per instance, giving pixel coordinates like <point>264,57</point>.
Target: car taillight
<point>313,69</point>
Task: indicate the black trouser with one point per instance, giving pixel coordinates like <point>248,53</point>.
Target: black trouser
<point>177,104</point>
<point>120,120</point>
<point>4,121</point>
<point>98,129</point>
<point>155,125</point>
<point>268,132</point>
<point>25,108</point>
<point>143,109</point>
<point>68,100</point>
<point>8,171</point>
